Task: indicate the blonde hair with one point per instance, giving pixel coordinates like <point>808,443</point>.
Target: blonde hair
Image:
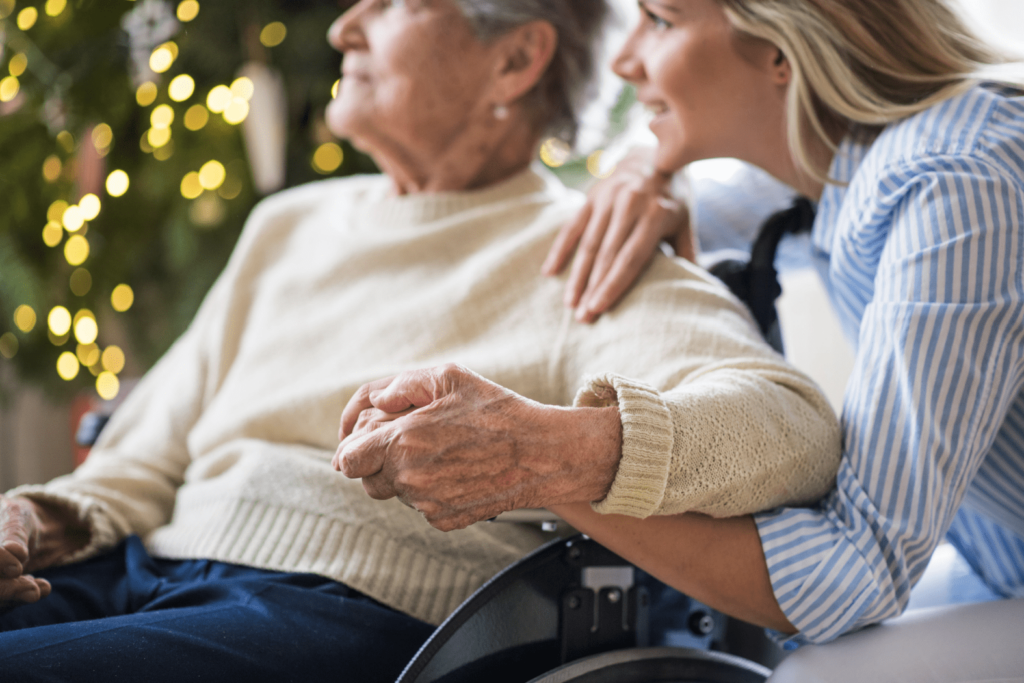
<point>862,64</point>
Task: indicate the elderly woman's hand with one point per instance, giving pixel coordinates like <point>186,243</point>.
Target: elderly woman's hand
<point>616,234</point>
<point>21,527</point>
<point>461,449</point>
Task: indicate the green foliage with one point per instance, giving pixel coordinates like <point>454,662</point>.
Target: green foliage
<point>78,76</point>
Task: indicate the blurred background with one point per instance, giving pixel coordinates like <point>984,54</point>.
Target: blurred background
<point>135,137</point>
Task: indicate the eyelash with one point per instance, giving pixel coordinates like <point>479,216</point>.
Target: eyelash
<point>658,22</point>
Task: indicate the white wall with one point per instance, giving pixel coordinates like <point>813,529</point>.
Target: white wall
<point>1000,20</point>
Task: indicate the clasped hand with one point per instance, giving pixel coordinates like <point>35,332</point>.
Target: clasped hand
<point>20,531</point>
<point>461,449</point>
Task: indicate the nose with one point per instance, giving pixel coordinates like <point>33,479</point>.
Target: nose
<point>627,64</point>
<point>346,33</point>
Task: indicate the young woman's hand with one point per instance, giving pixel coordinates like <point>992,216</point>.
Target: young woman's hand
<point>616,234</point>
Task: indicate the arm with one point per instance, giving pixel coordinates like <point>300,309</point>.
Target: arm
<point>937,368</point>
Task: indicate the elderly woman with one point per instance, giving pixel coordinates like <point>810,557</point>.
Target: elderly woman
<point>256,560</point>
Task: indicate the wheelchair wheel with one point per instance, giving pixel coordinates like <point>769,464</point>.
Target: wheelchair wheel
<point>658,665</point>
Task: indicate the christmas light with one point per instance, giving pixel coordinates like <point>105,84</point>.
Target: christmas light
<point>90,206</point>
<point>27,18</point>
<point>164,153</point>
<point>237,111</point>
<point>181,88</point>
<point>73,219</point>
<point>9,88</point>
<point>207,211</point>
<point>211,175</point>
<point>52,168</point>
<point>88,354</point>
<point>6,7</point>
<point>76,250</point>
<point>25,318</point>
<point>80,282</point>
<point>334,89</point>
<point>162,117</point>
<point>102,136</point>
<point>219,99</point>
<point>243,87</point>
<point>158,137</point>
<point>146,94</point>
<point>8,345</point>
<point>190,186</point>
<point>595,168</point>
<point>113,359</point>
<point>273,34</point>
<point>18,64</point>
<point>86,330</point>
<point>53,233</point>
<point>107,386</point>
<point>122,298</point>
<point>327,158</point>
<point>163,57</point>
<point>196,117</point>
<point>53,8</point>
<point>66,140</point>
<point>68,366</point>
<point>59,321</point>
<point>554,152</point>
<point>56,211</point>
<point>117,183</point>
<point>188,10</point>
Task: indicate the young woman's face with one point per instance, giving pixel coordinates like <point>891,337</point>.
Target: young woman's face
<point>713,92</point>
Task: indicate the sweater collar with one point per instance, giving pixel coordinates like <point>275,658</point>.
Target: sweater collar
<point>381,210</point>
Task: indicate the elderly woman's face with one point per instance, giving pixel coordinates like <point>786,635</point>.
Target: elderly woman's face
<point>413,76</point>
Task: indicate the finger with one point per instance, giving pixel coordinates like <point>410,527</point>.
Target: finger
<point>359,402</point>
<point>24,589</point>
<point>379,487</point>
<point>13,552</point>
<point>411,390</point>
<point>374,418</point>
<point>626,219</point>
<point>630,263</point>
<point>586,253</point>
<point>565,243</point>
<point>363,456</point>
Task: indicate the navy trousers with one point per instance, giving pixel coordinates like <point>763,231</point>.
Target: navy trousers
<point>125,616</point>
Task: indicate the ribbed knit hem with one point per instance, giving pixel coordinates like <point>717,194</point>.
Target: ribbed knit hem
<point>647,437</point>
<point>284,539</point>
<point>102,533</point>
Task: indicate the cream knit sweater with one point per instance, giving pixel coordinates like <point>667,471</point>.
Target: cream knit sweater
<point>223,451</point>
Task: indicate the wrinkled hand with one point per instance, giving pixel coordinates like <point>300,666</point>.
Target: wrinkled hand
<point>461,449</point>
<point>21,527</point>
<point>615,235</point>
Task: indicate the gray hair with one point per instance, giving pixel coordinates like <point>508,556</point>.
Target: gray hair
<point>578,81</point>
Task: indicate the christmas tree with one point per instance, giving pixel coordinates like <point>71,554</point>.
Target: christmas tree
<point>135,138</point>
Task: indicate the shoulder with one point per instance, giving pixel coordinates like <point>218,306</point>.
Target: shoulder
<point>311,197</point>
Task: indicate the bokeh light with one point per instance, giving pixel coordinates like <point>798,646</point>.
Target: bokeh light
<point>59,321</point>
<point>54,8</point>
<point>102,136</point>
<point>596,167</point>
<point>73,218</point>
<point>18,64</point>
<point>56,210</point>
<point>122,298</point>
<point>117,183</point>
<point>53,233</point>
<point>273,34</point>
<point>68,366</point>
<point>52,168</point>
<point>66,140</point>
<point>8,345</point>
<point>90,206</point>
<point>86,330</point>
<point>219,99</point>
<point>113,359</point>
<point>334,88</point>
<point>188,10</point>
<point>243,87</point>
<point>328,158</point>
<point>211,175</point>
<point>108,386</point>
<point>27,18</point>
<point>6,7</point>
<point>162,116</point>
<point>237,111</point>
<point>88,354</point>
<point>165,152</point>
<point>196,117</point>
<point>9,88</point>
<point>181,88</point>
<point>554,152</point>
<point>190,185</point>
<point>163,57</point>
<point>76,250</point>
<point>80,282</point>
<point>146,94</point>
<point>25,318</point>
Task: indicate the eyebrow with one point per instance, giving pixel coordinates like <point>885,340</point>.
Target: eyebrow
<point>661,5</point>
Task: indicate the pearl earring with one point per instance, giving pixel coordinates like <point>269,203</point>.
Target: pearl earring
<point>500,112</point>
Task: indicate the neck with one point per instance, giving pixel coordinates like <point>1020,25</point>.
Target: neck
<point>486,154</point>
<point>780,163</point>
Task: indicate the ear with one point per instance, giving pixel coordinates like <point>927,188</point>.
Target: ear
<point>782,70</point>
<point>523,55</point>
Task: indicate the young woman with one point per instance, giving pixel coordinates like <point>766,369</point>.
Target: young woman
<point>890,116</point>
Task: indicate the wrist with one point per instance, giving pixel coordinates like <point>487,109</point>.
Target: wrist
<point>586,446</point>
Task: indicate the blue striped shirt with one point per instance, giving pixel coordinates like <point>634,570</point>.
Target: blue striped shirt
<point>924,250</point>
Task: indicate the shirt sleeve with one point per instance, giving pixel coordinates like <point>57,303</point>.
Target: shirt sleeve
<point>940,360</point>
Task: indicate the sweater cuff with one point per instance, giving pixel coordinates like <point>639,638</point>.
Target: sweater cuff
<point>102,533</point>
<point>647,436</point>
